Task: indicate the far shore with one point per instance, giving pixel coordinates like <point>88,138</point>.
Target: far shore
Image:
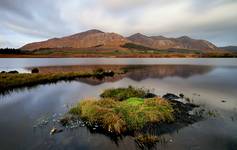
<point>207,55</point>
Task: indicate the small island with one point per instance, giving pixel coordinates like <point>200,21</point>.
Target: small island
<point>131,111</point>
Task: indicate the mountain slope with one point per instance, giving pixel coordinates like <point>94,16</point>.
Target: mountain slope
<point>113,41</point>
<point>229,48</point>
<point>91,38</point>
<point>160,42</point>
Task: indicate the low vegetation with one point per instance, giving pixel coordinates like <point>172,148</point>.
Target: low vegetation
<point>120,94</point>
<point>129,50</point>
<point>136,46</point>
<point>124,110</point>
<point>10,80</point>
<point>129,111</point>
<point>124,116</point>
<point>146,141</point>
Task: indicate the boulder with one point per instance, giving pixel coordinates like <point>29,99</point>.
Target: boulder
<point>170,96</point>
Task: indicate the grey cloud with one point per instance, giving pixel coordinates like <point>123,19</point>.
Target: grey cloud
<point>30,19</point>
<point>15,7</point>
<point>34,18</point>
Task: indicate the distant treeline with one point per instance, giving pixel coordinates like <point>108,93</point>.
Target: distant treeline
<point>11,51</point>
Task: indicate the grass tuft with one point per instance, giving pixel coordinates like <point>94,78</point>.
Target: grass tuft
<point>146,141</point>
<point>121,94</point>
<point>124,116</point>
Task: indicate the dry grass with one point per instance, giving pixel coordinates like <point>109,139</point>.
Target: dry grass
<point>121,116</point>
<point>146,141</point>
<point>10,81</point>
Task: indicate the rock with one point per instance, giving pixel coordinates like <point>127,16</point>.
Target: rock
<point>65,121</point>
<point>150,95</point>
<point>170,96</point>
<point>55,130</point>
<point>223,101</point>
<point>181,95</point>
<point>3,72</point>
<point>35,70</point>
<point>187,99</point>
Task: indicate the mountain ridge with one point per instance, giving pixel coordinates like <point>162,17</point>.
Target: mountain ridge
<point>96,38</point>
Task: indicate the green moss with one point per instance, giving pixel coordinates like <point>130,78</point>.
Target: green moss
<point>121,94</point>
<point>134,101</point>
<point>137,112</point>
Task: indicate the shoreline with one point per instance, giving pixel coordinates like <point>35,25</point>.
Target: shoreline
<point>207,55</point>
<point>11,81</point>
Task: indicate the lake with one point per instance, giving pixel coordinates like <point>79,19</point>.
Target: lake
<point>210,83</point>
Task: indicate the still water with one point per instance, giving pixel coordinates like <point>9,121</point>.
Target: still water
<point>210,83</point>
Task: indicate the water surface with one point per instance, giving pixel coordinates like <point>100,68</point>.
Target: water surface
<point>207,82</point>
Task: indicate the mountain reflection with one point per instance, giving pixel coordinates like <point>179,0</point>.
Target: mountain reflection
<point>141,72</point>
<point>134,72</point>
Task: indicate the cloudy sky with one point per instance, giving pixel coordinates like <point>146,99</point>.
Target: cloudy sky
<point>24,21</point>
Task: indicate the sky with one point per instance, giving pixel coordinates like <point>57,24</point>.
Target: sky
<point>26,21</point>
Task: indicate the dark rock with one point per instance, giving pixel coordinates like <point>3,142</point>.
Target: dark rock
<point>182,112</point>
<point>187,99</point>
<point>181,95</point>
<point>170,96</point>
<point>3,72</point>
<point>65,121</point>
<point>109,73</point>
<point>35,70</point>
<point>150,95</point>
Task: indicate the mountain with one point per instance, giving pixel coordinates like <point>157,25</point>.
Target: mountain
<point>229,48</point>
<point>161,42</point>
<point>88,39</point>
<point>101,40</point>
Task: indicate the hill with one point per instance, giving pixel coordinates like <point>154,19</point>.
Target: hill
<point>229,48</point>
<point>88,39</point>
<point>113,41</point>
<point>161,42</point>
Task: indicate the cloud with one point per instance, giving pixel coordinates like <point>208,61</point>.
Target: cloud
<point>30,20</point>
